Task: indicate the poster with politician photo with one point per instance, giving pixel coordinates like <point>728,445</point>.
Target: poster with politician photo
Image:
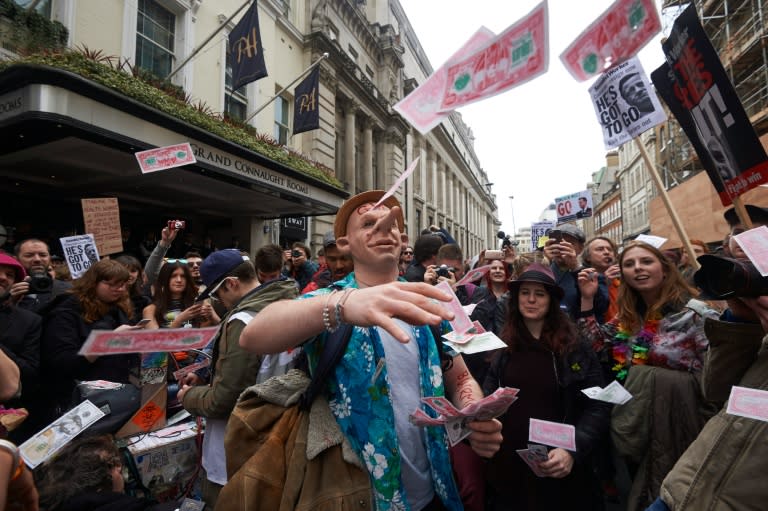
<point>625,103</point>
<point>574,206</point>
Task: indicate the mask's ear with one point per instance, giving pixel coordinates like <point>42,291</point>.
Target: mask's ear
<point>342,244</point>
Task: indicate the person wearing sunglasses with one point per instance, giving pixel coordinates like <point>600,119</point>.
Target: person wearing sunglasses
<point>194,261</point>
<point>231,279</point>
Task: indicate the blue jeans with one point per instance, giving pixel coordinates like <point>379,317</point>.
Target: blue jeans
<point>658,505</point>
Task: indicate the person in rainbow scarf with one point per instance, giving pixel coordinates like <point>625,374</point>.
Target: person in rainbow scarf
<point>655,346</point>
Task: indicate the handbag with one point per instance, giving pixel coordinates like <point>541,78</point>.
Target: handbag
<point>118,401</point>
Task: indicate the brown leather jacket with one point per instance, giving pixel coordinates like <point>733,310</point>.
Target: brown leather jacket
<point>281,459</point>
<point>724,468</point>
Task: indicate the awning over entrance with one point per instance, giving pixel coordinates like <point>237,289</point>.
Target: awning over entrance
<point>65,138</point>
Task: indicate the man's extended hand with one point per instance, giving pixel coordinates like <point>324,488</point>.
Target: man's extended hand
<point>485,438</point>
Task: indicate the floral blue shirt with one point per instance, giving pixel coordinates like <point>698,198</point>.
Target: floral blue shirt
<point>359,399</point>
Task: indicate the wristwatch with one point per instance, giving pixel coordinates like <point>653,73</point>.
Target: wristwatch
<point>11,449</point>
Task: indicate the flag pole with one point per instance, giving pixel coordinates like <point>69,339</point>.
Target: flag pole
<point>208,40</point>
<point>303,73</point>
<point>668,203</point>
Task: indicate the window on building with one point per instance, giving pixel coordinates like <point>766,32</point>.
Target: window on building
<point>43,6</point>
<point>281,120</point>
<point>235,101</point>
<point>155,37</point>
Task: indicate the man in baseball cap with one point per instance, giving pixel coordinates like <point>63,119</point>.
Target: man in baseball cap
<point>381,375</point>
<point>230,278</point>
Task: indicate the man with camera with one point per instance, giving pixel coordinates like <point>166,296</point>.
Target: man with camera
<point>38,288</point>
<point>424,255</point>
<point>20,332</point>
<point>300,268</point>
<point>722,468</point>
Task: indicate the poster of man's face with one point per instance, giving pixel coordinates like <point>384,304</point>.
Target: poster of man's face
<point>633,90</point>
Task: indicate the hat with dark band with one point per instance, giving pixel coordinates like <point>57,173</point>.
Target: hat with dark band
<point>538,274</point>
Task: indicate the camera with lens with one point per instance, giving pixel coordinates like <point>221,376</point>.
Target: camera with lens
<point>505,241</point>
<point>296,253</point>
<point>40,282</point>
<point>444,271</point>
<point>722,277</point>
<point>176,225</point>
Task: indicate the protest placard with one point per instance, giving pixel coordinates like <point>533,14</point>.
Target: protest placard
<point>538,231</point>
<point>167,157</point>
<point>699,93</point>
<point>617,34</point>
<point>517,55</point>
<point>80,253</point>
<point>573,206</point>
<point>421,107</point>
<point>102,219</point>
<point>625,104</point>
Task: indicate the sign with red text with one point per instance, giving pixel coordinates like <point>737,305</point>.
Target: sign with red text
<point>617,34</point>
<point>421,107</point>
<point>699,93</point>
<point>165,157</point>
<point>517,55</point>
<point>574,206</point>
<point>625,104</point>
<point>110,342</point>
<point>102,219</point>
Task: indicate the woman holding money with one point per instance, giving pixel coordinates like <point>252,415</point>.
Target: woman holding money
<point>98,301</point>
<point>545,360</point>
<point>655,347</point>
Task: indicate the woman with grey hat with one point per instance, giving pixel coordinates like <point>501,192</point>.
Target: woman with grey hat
<point>546,361</point>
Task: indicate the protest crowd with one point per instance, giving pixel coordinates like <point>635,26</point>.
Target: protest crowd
<point>674,349</point>
<point>392,370</point>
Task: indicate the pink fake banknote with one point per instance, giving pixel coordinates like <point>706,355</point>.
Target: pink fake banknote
<point>618,34</point>
<point>517,55</point>
<point>746,402</point>
<point>461,322</point>
<point>421,107</point>
<point>554,434</point>
<point>109,342</point>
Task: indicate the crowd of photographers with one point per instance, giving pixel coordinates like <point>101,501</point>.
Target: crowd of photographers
<point>677,338</point>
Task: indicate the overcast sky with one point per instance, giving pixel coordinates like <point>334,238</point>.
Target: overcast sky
<point>540,140</point>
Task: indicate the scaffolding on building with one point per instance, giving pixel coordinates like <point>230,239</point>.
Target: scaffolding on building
<point>737,29</point>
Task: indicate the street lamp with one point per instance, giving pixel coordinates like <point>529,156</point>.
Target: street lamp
<point>512,207</point>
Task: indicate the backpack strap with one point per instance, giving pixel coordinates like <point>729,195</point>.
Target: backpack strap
<point>333,350</point>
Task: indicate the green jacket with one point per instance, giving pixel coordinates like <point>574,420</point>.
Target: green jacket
<point>724,468</point>
<point>234,369</point>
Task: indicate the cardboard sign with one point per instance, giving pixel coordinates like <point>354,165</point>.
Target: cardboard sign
<point>165,157</point>
<point>517,55</point>
<point>109,342</point>
<point>617,34</point>
<point>102,219</point>
<point>625,103</point>
<point>421,107</point>
<point>573,206</point>
<point>80,252</point>
<point>699,93</point>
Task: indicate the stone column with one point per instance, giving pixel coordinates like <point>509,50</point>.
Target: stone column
<point>367,167</point>
<point>349,147</point>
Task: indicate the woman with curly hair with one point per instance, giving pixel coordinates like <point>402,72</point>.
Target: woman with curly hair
<point>97,301</point>
<point>174,304</point>
<point>655,347</point>
<point>87,476</point>
<point>545,360</point>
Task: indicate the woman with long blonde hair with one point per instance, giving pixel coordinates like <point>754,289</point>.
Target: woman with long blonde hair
<point>655,347</point>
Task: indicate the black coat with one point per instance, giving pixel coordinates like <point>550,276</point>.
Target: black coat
<point>39,303</point>
<point>64,332</point>
<point>20,339</point>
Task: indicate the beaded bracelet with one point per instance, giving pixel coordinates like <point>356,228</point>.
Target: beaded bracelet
<point>327,315</point>
<point>340,305</point>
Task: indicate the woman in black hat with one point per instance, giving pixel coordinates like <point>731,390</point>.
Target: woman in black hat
<point>545,360</point>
